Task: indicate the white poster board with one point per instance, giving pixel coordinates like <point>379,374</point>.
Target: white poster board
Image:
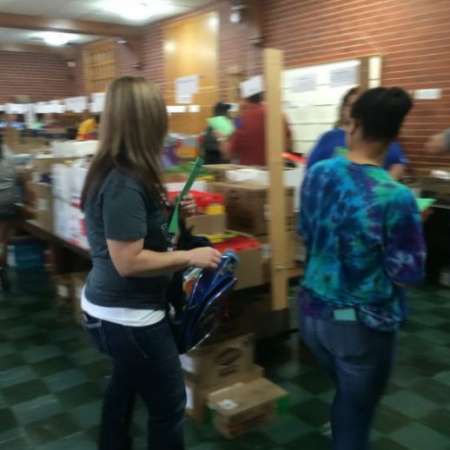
<point>311,98</point>
<point>186,88</point>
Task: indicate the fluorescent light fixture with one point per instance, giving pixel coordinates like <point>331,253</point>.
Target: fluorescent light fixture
<point>56,39</point>
<point>138,10</point>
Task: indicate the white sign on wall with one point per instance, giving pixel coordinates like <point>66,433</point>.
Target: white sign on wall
<point>186,88</point>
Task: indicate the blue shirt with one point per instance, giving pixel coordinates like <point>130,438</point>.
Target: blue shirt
<point>329,143</point>
<point>363,235</point>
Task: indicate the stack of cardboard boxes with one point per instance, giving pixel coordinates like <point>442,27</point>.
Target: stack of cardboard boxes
<point>57,185</point>
<point>217,369</point>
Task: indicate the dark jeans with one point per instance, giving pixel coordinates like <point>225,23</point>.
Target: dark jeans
<point>359,361</point>
<point>145,363</point>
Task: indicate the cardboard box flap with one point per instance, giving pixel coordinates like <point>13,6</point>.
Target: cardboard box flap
<point>242,397</point>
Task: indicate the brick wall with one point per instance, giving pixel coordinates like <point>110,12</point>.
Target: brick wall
<point>411,35</point>
<point>41,76</point>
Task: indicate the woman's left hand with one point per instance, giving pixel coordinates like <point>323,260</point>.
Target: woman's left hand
<point>188,207</point>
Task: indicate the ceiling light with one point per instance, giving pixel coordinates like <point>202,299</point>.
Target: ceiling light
<point>235,17</point>
<point>138,10</point>
<point>56,39</point>
<point>170,46</point>
<point>213,23</point>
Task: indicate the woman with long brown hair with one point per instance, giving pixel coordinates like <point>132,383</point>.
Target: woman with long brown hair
<point>124,302</point>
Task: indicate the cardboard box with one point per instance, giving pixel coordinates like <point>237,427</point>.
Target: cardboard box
<point>196,395</point>
<point>244,314</point>
<point>239,408</point>
<point>206,224</point>
<point>250,269</point>
<point>219,364</point>
<point>247,207</point>
<point>44,205</point>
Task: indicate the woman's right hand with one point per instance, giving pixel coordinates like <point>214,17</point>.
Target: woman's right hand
<point>204,258</point>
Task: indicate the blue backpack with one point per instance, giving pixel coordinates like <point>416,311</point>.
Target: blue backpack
<point>199,315</point>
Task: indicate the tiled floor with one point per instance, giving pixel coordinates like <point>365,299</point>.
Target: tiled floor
<point>51,384</point>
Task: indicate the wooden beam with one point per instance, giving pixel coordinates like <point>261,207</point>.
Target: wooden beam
<point>275,142</point>
<point>40,23</point>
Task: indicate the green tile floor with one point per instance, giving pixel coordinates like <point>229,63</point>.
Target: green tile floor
<point>51,383</point>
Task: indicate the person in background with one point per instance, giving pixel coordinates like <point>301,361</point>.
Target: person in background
<point>220,128</point>
<point>364,241</point>
<point>88,127</point>
<point>439,143</point>
<point>248,143</point>
<point>38,122</point>
<point>124,302</point>
<point>333,143</point>
<point>16,121</point>
<point>2,120</point>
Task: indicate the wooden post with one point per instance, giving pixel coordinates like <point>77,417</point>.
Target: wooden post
<point>275,144</point>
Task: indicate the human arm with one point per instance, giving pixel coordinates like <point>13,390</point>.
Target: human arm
<point>439,143</point>
<point>404,246</point>
<point>396,161</point>
<point>131,259</point>
<point>126,218</point>
<point>323,149</point>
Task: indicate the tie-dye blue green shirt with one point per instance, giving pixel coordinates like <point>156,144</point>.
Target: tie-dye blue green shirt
<point>363,234</point>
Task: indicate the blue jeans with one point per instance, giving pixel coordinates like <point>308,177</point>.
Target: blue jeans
<point>359,361</point>
<point>145,363</point>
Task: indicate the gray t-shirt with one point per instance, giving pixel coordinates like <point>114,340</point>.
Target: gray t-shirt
<point>122,210</point>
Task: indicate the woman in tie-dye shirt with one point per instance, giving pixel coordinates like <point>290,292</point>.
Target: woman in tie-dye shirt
<point>364,242</point>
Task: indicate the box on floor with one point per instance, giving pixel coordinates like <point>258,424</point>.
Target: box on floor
<point>243,406</point>
<point>217,364</point>
<point>196,394</point>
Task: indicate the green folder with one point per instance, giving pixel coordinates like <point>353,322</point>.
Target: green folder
<point>174,223</point>
<point>425,203</point>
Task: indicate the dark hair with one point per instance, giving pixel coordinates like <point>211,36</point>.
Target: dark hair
<point>257,98</point>
<point>350,93</point>
<point>381,111</point>
<point>221,109</point>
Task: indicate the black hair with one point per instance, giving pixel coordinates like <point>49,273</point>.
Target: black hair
<point>350,93</point>
<point>221,109</point>
<point>257,98</point>
<point>381,112</point>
